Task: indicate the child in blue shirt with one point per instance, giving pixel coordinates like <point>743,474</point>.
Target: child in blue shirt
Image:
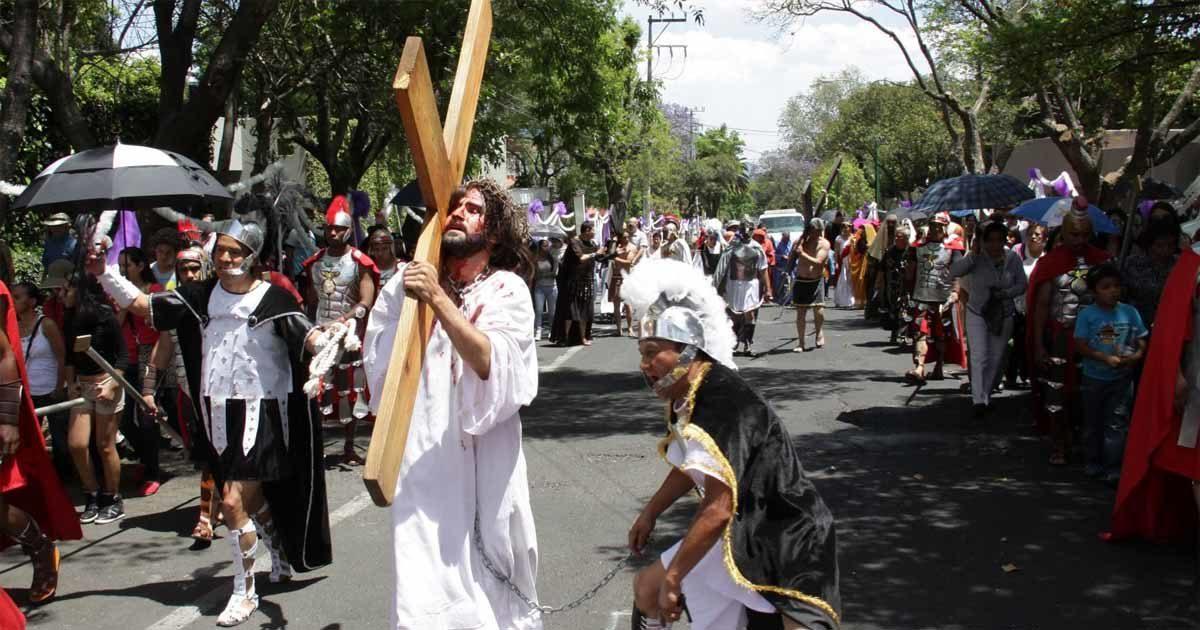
<point>1111,338</point>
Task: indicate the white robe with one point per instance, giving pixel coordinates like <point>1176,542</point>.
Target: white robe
<point>843,295</point>
<point>463,451</point>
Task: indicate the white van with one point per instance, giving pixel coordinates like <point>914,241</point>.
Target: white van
<point>779,221</point>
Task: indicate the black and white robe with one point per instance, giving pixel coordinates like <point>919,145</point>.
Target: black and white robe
<point>281,445</point>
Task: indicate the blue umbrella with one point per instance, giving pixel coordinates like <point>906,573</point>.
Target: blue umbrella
<point>1049,211</point>
<point>973,191</point>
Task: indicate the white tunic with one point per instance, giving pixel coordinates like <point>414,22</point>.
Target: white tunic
<point>241,363</point>
<point>714,600</point>
<point>463,451</point>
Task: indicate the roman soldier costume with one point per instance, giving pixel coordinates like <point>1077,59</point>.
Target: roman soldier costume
<point>1157,497</point>
<point>1058,378</point>
<point>335,281</point>
<point>931,292</point>
<point>28,481</point>
<point>245,364</point>
<point>777,555</point>
<point>738,280</point>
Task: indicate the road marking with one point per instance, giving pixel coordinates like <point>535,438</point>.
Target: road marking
<point>563,358</point>
<point>184,615</point>
<point>615,616</point>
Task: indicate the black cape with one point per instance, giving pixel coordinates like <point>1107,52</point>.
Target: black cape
<point>299,506</point>
<point>781,541</point>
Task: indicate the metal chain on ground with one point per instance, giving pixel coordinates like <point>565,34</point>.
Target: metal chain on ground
<point>533,605</point>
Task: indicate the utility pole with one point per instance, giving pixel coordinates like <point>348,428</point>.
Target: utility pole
<point>650,22</point>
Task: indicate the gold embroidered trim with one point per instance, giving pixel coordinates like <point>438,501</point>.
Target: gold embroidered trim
<point>688,431</point>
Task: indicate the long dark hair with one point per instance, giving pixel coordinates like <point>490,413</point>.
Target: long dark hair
<point>138,256</point>
<point>506,227</point>
<point>92,308</point>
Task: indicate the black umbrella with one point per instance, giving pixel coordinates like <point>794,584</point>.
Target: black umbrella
<point>122,177</point>
<point>1158,189</point>
<point>409,196</point>
<point>974,191</point>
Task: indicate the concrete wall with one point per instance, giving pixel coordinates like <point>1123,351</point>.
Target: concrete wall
<point>1041,153</point>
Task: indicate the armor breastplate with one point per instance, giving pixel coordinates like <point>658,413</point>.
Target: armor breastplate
<point>743,263</point>
<point>934,281</point>
<point>335,278</point>
<point>1069,294</point>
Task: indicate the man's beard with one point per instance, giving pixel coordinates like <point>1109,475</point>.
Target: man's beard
<point>457,244</point>
<point>337,245</point>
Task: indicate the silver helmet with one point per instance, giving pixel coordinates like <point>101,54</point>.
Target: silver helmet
<point>250,235</point>
<point>679,304</point>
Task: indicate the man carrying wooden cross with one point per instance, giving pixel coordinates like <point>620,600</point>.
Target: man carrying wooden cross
<point>462,493</point>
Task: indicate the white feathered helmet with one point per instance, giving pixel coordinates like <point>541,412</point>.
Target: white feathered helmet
<point>679,304</point>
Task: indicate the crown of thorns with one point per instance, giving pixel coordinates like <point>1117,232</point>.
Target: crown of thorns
<point>500,212</point>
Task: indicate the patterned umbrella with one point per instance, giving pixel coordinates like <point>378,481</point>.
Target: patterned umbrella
<point>122,177</point>
<point>1050,211</point>
<point>974,191</point>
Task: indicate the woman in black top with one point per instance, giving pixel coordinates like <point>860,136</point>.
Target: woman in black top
<point>90,313</point>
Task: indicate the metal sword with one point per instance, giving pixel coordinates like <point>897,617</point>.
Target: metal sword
<point>83,343</point>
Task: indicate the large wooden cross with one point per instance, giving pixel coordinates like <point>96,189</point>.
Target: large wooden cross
<point>440,155</point>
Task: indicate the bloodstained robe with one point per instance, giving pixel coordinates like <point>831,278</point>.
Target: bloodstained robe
<point>27,478</point>
<point>298,503</point>
<point>463,464</point>
<point>1154,499</point>
<point>781,541</point>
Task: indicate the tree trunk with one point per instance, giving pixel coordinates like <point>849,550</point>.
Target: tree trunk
<point>228,134</point>
<point>615,188</point>
<point>972,144</point>
<point>264,146</point>
<point>187,128</point>
<point>15,105</point>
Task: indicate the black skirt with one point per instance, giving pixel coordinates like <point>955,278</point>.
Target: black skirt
<point>808,292</point>
<point>268,459</point>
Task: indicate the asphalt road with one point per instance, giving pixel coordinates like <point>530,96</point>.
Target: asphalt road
<point>943,521</point>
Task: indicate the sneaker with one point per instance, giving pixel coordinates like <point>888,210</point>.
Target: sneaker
<point>114,511</point>
<point>537,336</point>
<point>91,509</point>
<point>148,488</point>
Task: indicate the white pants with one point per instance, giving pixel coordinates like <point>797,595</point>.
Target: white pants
<point>987,355</point>
<point>713,599</point>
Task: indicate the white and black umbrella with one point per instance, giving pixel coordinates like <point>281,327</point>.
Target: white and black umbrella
<point>122,177</point>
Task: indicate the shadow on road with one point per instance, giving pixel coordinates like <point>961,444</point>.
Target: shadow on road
<point>951,523</point>
<point>579,404</point>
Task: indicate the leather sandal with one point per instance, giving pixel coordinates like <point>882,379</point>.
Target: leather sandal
<point>203,531</point>
<point>45,574</point>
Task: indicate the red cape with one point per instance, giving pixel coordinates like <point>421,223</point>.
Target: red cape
<point>1050,266</point>
<point>10,616</point>
<point>28,479</point>
<point>1154,500</point>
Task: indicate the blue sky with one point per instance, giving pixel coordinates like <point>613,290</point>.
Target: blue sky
<point>741,72</point>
